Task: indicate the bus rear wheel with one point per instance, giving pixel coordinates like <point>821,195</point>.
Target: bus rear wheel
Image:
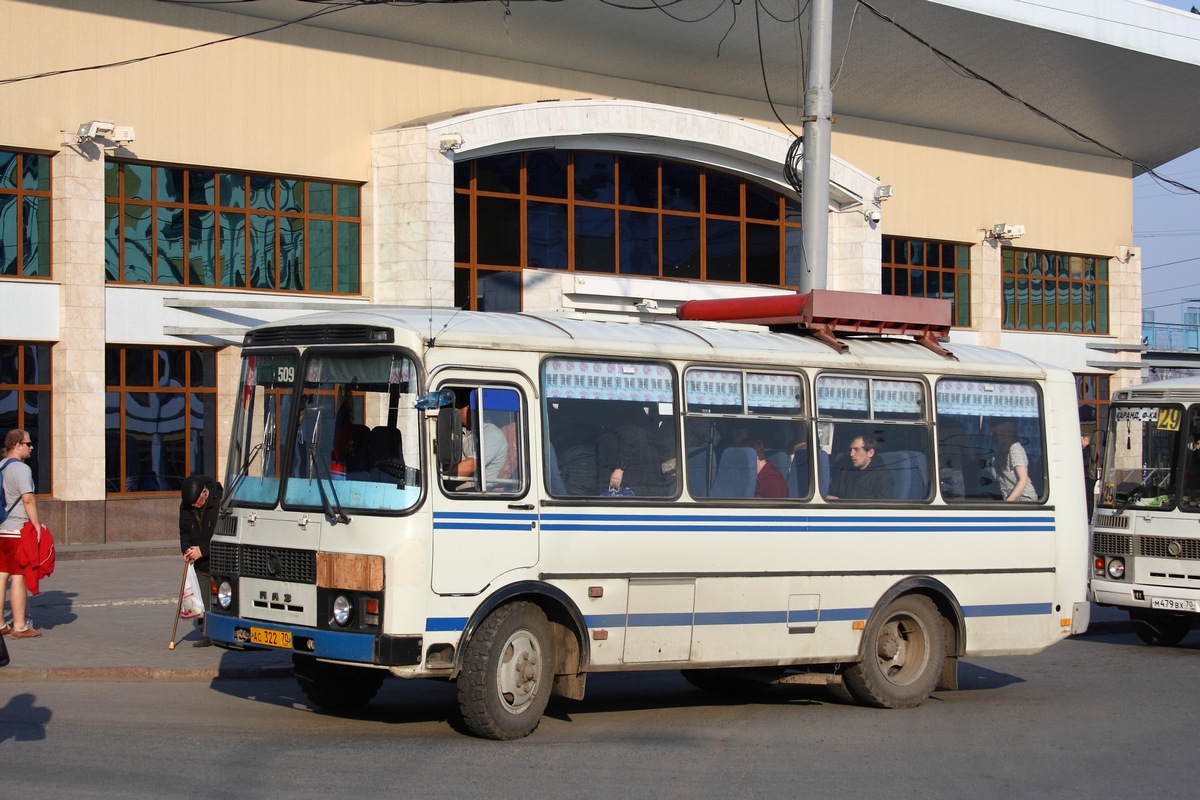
<point>1157,628</point>
<point>336,687</point>
<point>507,672</point>
<point>903,651</point>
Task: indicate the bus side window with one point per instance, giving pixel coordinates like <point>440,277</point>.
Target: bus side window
<point>481,442</point>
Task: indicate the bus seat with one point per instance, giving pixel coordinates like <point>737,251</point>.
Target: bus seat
<point>910,473</point>
<point>737,473</point>
<point>781,461</point>
<point>697,472</point>
<point>383,444</point>
<point>558,487</point>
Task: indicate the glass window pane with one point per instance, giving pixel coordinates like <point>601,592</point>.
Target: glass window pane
<point>462,227</point>
<point>202,187</point>
<point>639,181</point>
<point>172,367</point>
<point>8,170</point>
<point>112,177</point>
<point>320,255</point>
<point>545,235</point>
<point>233,190</point>
<point>546,174</point>
<point>262,251</point>
<point>168,258</point>
<point>291,196</point>
<point>320,198</point>
<point>139,366</point>
<point>170,185</point>
<point>137,181</point>
<point>36,173</point>
<point>762,254</point>
<point>639,243</point>
<point>204,366</point>
<point>761,202</point>
<point>501,173</point>
<point>680,187</point>
<point>291,253</point>
<point>595,245</point>
<point>348,200</point>
<point>594,177</point>
<point>498,235</point>
<point>348,269</point>
<point>36,237</point>
<point>233,249</point>
<point>262,193</point>
<point>202,248</point>
<point>681,247</point>
<point>139,244</point>
<point>498,291</point>
<point>722,249</point>
<point>722,194</point>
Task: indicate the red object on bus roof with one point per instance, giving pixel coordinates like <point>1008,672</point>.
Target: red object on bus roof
<point>826,313</point>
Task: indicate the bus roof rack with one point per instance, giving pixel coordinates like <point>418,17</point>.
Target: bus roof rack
<point>824,314</point>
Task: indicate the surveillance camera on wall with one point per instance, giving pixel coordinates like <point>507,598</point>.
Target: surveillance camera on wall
<point>90,130</point>
<point>873,216</point>
<point>122,134</point>
<point>1007,231</point>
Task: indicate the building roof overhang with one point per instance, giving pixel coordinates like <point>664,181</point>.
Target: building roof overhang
<point>1120,72</point>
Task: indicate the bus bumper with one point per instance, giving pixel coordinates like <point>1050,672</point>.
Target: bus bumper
<point>1171,599</point>
<point>363,648</point>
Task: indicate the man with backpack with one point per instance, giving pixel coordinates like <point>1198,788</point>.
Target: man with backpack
<point>20,506</point>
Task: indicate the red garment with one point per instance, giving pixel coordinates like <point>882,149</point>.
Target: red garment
<point>35,556</point>
<point>770,482</point>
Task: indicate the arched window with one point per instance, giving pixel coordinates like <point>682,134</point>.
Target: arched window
<point>618,214</point>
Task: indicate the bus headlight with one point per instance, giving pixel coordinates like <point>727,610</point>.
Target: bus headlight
<point>1116,569</point>
<point>224,594</point>
<point>343,610</point>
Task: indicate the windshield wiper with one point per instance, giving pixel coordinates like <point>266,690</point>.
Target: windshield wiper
<point>237,479</point>
<point>333,512</point>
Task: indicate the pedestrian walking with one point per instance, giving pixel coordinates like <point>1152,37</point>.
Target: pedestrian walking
<point>20,506</point>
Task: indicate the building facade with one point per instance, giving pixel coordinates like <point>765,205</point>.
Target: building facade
<point>171,174</point>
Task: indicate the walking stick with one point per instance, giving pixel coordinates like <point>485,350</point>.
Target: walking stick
<point>178,605</point>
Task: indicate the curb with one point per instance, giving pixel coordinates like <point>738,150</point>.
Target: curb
<point>36,674</point>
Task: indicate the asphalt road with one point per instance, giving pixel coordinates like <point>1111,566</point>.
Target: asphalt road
<point>1096,716</point>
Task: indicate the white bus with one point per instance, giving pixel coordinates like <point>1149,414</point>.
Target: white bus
<point>514,501</point>
<point>1146,529</point>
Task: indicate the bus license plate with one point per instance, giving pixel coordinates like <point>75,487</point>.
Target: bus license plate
<point>1171,604</point>
<point>270,638</point>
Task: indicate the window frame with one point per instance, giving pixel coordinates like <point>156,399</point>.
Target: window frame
<point>958,273</point>
<point>22,196</point>
<point>1030,267</point>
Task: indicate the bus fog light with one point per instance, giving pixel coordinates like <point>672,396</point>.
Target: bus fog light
<point>343,610</point>
<point>1116,569</point>
<point>224,594</point>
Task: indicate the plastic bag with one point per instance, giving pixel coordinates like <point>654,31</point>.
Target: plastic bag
<point>191,605</point>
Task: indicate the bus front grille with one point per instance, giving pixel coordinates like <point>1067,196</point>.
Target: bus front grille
<point>1167,547</point>
<point>1111,521</point>
<point>272,563</point>
<point>1112,544</point>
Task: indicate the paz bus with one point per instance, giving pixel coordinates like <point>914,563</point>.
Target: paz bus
<point>1145,537</point>
<point>514,501</point>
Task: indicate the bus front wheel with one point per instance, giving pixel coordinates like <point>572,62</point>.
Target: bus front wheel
<point>1157,628</point>
<point>507,672</point>
<point>336,687</point>
<point>903,651</point>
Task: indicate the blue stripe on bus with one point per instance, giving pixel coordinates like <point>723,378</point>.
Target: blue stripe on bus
<point>1007,610</point>
<point>445,623</point>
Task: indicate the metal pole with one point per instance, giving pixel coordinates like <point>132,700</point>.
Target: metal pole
<point>818,124</point>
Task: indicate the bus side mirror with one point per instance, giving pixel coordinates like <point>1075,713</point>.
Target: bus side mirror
<point>431,400</point>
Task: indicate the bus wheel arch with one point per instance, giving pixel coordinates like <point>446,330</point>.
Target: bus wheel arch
<point>567,632</point>
<point>910,646</point>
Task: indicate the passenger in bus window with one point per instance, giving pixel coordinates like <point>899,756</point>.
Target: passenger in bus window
<point>1012,465</point>
<point>495,449</point>
<point>615,489</point>
<point>770,483</point>
<point>866,478</point>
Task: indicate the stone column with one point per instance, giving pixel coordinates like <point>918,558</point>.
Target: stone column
<point>77,373</point>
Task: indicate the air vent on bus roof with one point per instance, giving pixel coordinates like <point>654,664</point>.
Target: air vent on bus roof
<point>320,334</point>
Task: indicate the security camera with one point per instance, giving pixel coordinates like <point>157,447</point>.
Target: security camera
<point>873,216</point>
<point>90,130</point>
<point>122,134</point>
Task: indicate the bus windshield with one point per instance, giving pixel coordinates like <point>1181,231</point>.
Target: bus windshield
<point>334,432</point>
<point>1140,457</point>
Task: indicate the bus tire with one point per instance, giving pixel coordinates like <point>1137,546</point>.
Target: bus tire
<point>336,687</point>
<point>1159,629</point>
<point>507,673</point>
<point>903,651</point>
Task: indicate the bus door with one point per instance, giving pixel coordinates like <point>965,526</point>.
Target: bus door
<point>485,506</point>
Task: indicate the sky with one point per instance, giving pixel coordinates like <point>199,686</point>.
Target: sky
<point>1166,226</point>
